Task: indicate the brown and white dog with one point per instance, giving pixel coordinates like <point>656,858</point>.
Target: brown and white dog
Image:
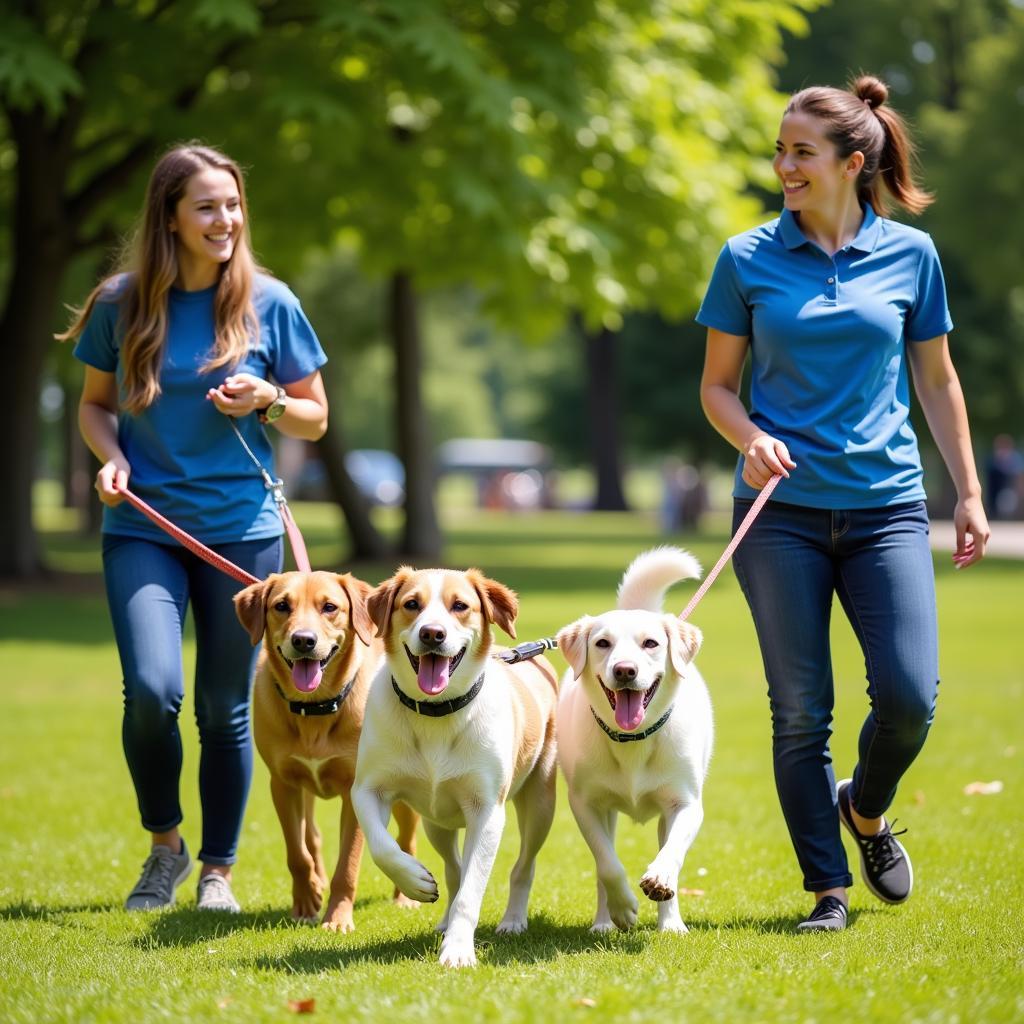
<point>455,733</point>
<point>319,656</point>
<point>635,734</point>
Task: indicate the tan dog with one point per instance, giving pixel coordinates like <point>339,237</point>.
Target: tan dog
<point>319,655</point>
<point>455,733</point>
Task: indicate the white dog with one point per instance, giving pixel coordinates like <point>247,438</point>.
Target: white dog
<point>635,734</point>
<point>455,733</point>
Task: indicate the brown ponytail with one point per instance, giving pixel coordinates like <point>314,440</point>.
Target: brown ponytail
<point>858,118</point>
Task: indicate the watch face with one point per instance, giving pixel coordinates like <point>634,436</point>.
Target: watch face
<point>275,410</point>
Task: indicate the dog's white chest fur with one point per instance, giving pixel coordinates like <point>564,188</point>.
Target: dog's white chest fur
<point>314,765</point>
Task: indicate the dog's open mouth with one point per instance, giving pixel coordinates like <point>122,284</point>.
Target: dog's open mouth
<point>307,672</point>
<point>630,705</point>
<point>433,670</point>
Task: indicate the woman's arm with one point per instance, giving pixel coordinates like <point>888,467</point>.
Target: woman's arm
<point>764,456</point>
<point>938,390</point>
<point>97,422</point>
<point>305,412</point>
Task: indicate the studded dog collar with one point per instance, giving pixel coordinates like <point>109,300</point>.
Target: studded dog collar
<point>438,708</point>
<point>307,708</point>
<point>630,737</point>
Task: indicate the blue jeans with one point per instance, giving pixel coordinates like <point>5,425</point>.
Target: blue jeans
<point>879,563</point>
<point>149,588</point>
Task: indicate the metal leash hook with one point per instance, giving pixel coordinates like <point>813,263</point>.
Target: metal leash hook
<point>524,652</point>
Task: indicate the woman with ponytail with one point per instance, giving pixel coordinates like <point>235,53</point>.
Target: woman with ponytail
<point>838,308</point>
<point>190,332</point>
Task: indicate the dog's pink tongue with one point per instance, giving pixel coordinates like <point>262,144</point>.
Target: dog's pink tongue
<point>306,674</point>
<point>433,673</point>
<point>629,708</point>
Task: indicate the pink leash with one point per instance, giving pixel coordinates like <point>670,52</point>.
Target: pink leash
<point>523,652</point>
<point>187,540</point>
<point>748,521</point>
<point>276,488</point>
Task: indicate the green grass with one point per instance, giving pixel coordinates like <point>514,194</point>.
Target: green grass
<point>71,846</point>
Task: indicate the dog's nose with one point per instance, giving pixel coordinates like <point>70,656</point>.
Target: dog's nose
<point>624,672</point>
<point>303,640</point>
<point>432,634</point>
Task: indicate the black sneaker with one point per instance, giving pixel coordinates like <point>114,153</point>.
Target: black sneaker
<point>828,915</point>
<point>884,864</point>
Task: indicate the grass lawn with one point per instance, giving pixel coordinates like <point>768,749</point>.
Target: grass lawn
<point>71,846</point>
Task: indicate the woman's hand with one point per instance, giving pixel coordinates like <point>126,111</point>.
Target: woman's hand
<point>111,480</point>
<point>241,394</point>
<point>972,532</point>
<point>764,457</point>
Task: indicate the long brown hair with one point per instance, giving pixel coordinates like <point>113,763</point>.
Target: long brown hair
<point>858,118</point>
<point>150,268</point>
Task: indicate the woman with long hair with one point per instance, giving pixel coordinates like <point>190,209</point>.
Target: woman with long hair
<point>838,307</point>
<point>189,332</point>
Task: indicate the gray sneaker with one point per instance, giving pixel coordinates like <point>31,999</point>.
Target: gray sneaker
<point>214,893</point>
<point>163,871</point>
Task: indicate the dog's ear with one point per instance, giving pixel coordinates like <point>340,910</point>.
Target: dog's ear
<point>572,642</point>
<point>500,605</point>
<point>358,593</point>
<point>381,602</point>
<point>684,640</point>
<point>251,607</point>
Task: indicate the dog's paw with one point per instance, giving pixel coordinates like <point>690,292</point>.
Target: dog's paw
<point>415,881</point>
<point>401,900</point>
<point>511,925</point>
<point>623,912</point>
<point>307,899</point>
<point>656,886</point>
<point>602,926</point>
<point>339,919</point>
<point>673,925</point>
<point>457,952</point>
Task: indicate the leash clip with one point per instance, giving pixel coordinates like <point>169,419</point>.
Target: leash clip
<point>276,487</point>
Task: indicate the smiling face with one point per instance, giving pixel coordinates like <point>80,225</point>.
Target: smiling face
<point>436,624</point>
<point>206,225</point>
<point>310,620</point>
<point>625,657</point>
<point>814,177</point>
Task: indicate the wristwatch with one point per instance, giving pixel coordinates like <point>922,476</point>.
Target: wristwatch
<point>276,407</point>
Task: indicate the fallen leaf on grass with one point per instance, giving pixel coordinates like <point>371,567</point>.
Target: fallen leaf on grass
<point>919,798</point>
<point>223,1004</point>
<point>302,1005</point>
<point>983,788</point>
<point>584,1001</point>
<point>691,892</point>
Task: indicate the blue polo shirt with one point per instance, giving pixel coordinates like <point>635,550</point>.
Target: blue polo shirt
<point>828,336</point>
<point>185,459</point>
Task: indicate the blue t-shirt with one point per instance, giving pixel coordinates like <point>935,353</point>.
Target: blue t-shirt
<point>828,336</point>
<point>185,459</point>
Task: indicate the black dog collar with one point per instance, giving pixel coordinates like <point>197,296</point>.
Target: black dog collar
<point>629,737</point>
<point>439,708</point>
<point>324,707</point>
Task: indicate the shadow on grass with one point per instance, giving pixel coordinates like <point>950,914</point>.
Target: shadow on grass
<point>42,912</point>
<point>779,924</point>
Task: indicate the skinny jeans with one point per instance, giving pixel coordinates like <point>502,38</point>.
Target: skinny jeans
<point>150,587</point>
<point>879,563</point>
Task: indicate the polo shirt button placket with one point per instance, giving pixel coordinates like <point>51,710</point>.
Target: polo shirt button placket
<point>830,288</point>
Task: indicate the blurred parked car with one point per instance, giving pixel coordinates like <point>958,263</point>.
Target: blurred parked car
<point>509,473</point>
<point>377,473</point>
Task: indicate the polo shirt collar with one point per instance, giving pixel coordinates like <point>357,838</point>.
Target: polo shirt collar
<point>866,240</point>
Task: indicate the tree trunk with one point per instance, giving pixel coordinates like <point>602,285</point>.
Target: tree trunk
<point>368,544</point>
<point>421,537</point>
<point>41,249</point>
<point>603,418</point>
